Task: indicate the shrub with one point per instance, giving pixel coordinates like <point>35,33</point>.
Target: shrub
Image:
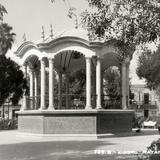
<point>137,121</point>
<point>152,152</point>
<point>8,124</point>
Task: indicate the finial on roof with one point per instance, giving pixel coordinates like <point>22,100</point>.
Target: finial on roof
<point>43,35</point>
<point>71,14</point>
<point>24,37</point>
<point>76,23</point>
<point>51,35</point>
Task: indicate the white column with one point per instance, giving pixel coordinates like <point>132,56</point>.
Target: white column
<point>36,89</point>
<point>98,83</point>
<point>36,84</point>
<point>60,90</point>
<point>94,88</point>
<point>88,83</point>
<point>25,71</point>
<point>123,85</point>
<point>24,102</point>
<point>31,88</point>
<point>127,83</point>
<point>102,92</point>
<point>51,84</point>
<point>67,90</point>
<point>43,84</point>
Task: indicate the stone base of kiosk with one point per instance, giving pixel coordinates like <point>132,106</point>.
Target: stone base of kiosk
<point>75,124</point>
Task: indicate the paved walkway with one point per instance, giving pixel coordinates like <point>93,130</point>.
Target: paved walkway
<point>16,147</point>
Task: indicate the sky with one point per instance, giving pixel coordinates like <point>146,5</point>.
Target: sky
<point>28,16</point>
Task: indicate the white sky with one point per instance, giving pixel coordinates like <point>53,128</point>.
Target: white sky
<point>28,16</point>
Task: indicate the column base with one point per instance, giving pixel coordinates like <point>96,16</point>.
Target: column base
<point>99,107</point>
<point>51,108</point>
<point>24,105</point>
<point>124,107</point>
<point>23,109</point>
<point>88,108</point>
<point>42,108</point>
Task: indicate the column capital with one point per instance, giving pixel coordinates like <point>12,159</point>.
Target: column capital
<point>42,58</point>
<point>88,60</point>
<point>51,60</point>
<point>99,57</point>
<point>51,57</point>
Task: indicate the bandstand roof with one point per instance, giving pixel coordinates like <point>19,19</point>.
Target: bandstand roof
<point>78,33</point>
<point>64,46</point>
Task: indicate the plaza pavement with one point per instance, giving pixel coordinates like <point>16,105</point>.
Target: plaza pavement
<point>14,146</point>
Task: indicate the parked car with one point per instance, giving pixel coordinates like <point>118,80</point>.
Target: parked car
<point>149,124</point>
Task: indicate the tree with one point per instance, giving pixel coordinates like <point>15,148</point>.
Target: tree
<point>6,34</point>
<point>148,68</point>
<point>77,80</point>
<point>6,37</point>
<point>2,12</point>
<point>130,22</point>
<point>112,84</point>
<point>12,81</point>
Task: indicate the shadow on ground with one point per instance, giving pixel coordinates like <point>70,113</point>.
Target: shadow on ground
<point>145,132</point>
<point>62,150</point>
<point>51,150</point>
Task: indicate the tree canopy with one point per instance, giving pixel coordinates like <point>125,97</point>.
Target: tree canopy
<point>77,82</point>
<point>148,68</point>
<point>6,37</point>
<point>130,22</point>
<point>112,83</point>
<point>2,12</point>
<point>6,34</point>
<point>12,81</point>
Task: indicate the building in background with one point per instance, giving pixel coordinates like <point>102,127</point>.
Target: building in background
<point>144,101</point>
<point>8,111</point>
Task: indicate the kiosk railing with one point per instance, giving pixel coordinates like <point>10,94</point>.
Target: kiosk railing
<point>73,101</point>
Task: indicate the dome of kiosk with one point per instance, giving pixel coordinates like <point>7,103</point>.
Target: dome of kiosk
<point>79,33</point>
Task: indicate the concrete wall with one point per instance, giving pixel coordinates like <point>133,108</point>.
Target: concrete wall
<point>75,122</point>
<point>114,123</point>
